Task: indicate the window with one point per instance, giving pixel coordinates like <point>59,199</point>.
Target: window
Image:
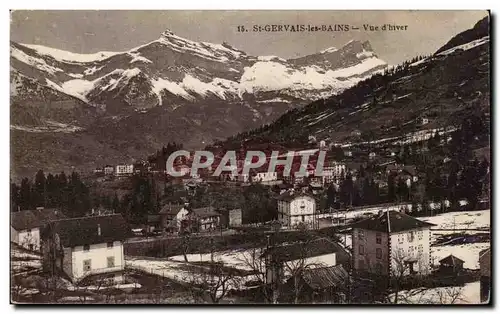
<point>379,253</point>
<point>411,236</point>
<point>361,235</point>
<point>420,235</point>
<point>303,218</point>
<point>110,244</point>
<point>361,250</point>
<point>111,261</point>
<point>401,239</point>
<point>86,247</point>
<point>379,238</point>
<point>87,265</point>
<point>378,268</point>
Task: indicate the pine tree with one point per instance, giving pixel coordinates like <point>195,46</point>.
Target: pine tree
<point>39,193</point>
<point>25,195</point>
<point>14,197</point>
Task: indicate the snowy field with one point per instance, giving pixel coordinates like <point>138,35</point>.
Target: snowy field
<point>469,253</point>
<point>22,261</point>
<point>468,294</point>
<point>183,272</point>
<point>239,259</point>
<point>461,220</point>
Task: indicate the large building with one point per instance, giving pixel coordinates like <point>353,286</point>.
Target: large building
<point>391,243</point>
<point>86,246</point>
<point>296,209</point>
<point>124,170</point>
<point>25,226</point>
<point>333,172</point>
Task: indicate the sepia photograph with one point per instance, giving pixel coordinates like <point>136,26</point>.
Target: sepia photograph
<point>250,157</point>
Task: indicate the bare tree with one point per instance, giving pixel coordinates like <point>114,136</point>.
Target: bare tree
<point>401,271</point>
<point>257,265</point>
<point>297,267</point>
<point>440,295</point>
<point>216,281</point>
<point>186,244</point>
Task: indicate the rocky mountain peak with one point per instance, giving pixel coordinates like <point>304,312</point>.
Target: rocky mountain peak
<point>167,33</point>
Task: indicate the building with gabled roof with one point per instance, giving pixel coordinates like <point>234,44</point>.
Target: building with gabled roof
<point>297,209</point>
<point>322,284</point>
<point>207,218</point>
<point>317,253</point>
<point>25,225</point>
<point>451,263</point>
<point>391,242</point>
<point>85,246</point>
<point>172,216</point>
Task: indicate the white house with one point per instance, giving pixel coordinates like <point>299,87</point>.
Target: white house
<point>281,260</point>
<point>391,243</point>
<point>206,218</point>
<point>86,246</point>
<point>124,170</point>
<point>265,176</point>
<point>295,209</point>
<point>172,216</point>
<point>25,226</point>
<point>332,172</point>
<point>108,170</point>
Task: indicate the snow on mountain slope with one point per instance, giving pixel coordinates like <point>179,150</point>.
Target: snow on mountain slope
<point>365,66</point>
<point>33,61</point>
<point>160,84</point>
<point>66,56</point>
<point>215,52</point>
<point>467,46</point>
<point>173,64</point>
<point>268,76</point>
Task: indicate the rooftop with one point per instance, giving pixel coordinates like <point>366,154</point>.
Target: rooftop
<point>300,250</point>
<point>451,260</point>
<point>391,221</point>
<point>172,209</point>
<point>28,219</point>
<point>89,230</point>
<point>325,277</point>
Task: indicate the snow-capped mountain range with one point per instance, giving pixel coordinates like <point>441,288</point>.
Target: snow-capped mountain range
<point>174,67</point>
<point>170,89</point>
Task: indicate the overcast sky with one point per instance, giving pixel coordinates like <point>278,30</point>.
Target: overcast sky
<point>92,31</point>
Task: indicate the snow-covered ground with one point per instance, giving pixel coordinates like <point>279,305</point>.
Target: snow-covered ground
<point>22,260</point>
<point>55,127</point>
<point>231,258</point>
<point>180,272</point>
<point>469,253</point>
<point>467,46</point>
<point>468,294</point>
<point>461,220</point>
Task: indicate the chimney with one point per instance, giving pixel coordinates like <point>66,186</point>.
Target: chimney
<point>99,229</point>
